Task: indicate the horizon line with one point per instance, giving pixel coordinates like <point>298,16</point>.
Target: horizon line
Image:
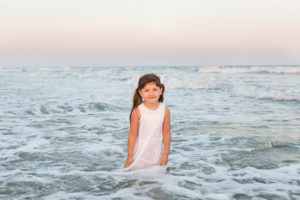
<point>104,66</point>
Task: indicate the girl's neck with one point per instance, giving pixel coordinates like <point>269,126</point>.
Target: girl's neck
<point>152,106</point>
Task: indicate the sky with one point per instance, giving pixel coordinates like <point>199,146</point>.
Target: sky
<point>149,32</point>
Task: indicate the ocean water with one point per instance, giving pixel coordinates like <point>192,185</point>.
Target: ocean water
<point>235,133</point>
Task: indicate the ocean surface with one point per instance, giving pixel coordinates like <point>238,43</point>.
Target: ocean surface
<point>235,133</point>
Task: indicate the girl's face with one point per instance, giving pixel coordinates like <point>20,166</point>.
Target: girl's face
<point>151,92</point>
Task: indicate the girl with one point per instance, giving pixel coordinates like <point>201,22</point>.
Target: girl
<point>149,124</point>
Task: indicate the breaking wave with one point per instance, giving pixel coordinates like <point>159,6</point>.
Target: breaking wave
<point>254,69</point>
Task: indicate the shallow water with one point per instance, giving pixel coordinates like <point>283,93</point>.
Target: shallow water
<point>235,133</point>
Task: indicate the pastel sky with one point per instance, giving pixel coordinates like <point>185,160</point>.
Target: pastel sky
<point>149,32</point>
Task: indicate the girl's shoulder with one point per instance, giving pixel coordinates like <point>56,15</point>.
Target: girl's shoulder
<point>137,112</point>
<point>167,110</point>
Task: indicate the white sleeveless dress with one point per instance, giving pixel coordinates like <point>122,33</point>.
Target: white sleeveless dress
<point>148,148</point>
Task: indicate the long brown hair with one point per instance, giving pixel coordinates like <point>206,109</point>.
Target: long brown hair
<point>144,80</point>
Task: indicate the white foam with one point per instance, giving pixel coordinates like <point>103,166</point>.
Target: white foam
<point>73,195</point>
<point>29,178</point>
<point>114,149</point>
<point>218,196</point>
<point>266,93</point>
<point>192,84</point>
<point>149,172</point>
<point>127,193</point>
<point>161,180</point>
<point>242,149</point>
<point>25,145</point>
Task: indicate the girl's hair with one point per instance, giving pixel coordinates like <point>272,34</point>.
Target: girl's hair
<point>144,80</point>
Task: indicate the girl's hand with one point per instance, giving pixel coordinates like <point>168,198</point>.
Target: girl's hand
<point>128,162</point>
<point>164,160</point>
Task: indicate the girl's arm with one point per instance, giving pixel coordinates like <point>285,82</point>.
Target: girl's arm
<point>166,137</point>
<point>133,133</point>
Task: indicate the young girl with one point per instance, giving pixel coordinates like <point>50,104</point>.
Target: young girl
<point>149,125</point>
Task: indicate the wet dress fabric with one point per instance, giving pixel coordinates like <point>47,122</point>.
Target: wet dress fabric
<point>148,148</point>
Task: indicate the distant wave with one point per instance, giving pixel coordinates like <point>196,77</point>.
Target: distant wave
<point>173,82</point>
<point>192,85</point>
<point>254,69</point>
<point>56,108</point>
<point>266,93</point>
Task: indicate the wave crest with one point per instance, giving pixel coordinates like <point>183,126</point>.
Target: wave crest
<point>254,69</point>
